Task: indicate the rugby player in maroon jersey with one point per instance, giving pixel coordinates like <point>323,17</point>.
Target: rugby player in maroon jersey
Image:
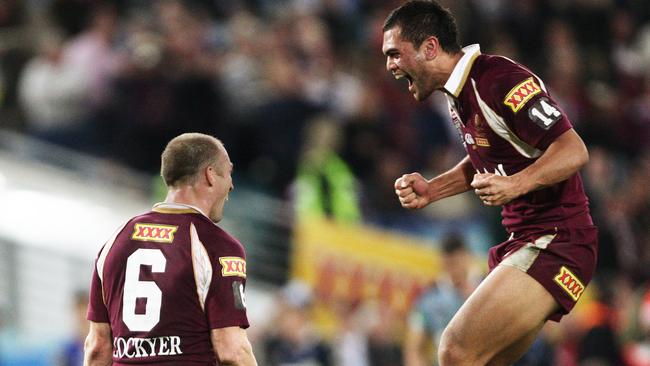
<point>168,287</point>
<point>523,155</point>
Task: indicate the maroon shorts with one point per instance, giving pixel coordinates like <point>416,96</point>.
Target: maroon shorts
<point>562,259</point>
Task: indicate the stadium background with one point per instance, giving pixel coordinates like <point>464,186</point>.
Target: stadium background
<point>90,91</point>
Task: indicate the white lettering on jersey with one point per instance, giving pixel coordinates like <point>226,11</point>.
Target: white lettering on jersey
<point>146,347</point>
<point>455,118</point>
<point>544,114</point>
<point>498,171</point>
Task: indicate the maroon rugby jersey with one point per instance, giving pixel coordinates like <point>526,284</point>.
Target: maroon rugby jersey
<point>163,282</point>
<point>506,120</point>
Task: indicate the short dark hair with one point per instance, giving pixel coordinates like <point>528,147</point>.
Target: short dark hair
<point>420,19</point>
<point>185,155</point>
<point>453,243</point>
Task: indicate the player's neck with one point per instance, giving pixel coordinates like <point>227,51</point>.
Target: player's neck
<point>188,195</point>
<point>448,63</point>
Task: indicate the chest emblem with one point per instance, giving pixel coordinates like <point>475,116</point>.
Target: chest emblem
<point>480,133</point>
<point>521,93</point>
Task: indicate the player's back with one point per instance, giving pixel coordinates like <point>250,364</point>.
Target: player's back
<point>160,288</point>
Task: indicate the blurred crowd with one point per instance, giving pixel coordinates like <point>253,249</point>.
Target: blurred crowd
<point>298,91</point>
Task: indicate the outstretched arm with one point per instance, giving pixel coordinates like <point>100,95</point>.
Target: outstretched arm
<point>414,191</point>
<point>563,158</point>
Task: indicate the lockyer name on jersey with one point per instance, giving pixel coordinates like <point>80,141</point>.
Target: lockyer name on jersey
<point>146,347</point>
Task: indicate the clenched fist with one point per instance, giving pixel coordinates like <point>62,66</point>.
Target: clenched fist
<point>412,190</point>
<point>496,190</point>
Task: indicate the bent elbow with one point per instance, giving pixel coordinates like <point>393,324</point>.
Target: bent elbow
<point>233,356</point>
<point>97,348</point>
<point>583,158</point>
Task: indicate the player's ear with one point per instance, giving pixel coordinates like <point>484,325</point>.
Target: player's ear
<point>208,173</point>
<point>431,47</point>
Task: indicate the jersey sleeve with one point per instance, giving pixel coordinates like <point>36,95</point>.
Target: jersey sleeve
<point>97,311</point>
<point>225,305</point>
<point>530,112</point>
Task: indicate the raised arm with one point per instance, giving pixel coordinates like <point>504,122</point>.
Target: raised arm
<point>98,349</point>
<point>231,346</point>
<point>415,192</point>
<point>563,158</point>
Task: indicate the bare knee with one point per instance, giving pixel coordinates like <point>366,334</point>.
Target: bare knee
<point>452,351</point>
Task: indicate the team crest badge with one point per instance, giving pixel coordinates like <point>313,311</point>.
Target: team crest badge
<point>480,138</point>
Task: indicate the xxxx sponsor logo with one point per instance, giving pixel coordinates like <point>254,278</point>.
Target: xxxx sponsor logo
<point>570,283</point>
<point>521,93</point>
<point>482,141</point>
<point>154,232</point>
<point>232,266</point>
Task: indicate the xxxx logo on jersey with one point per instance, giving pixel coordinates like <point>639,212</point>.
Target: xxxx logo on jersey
<point>521,93</point>
<point>154,232</point>
<point>570,283</point>
<point>233,266</point>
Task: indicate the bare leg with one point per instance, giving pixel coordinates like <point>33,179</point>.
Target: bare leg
<point>514,352</point>
<point>508,307</point>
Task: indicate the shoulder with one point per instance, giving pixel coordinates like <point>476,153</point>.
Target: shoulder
<point>498,72</point>
<point>217,240</point>
<point>501,80</point>
<point>488,67</point>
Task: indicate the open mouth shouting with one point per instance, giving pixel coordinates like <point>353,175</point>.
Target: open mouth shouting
<point>406,76</point>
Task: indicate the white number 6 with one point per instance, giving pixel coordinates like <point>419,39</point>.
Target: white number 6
<point>134,288</point>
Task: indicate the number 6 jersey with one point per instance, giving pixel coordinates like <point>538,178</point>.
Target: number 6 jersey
<point>163,281</point>
<point>506,119</point>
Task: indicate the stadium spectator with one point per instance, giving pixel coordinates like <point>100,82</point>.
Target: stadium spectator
<point>53,94</point>
<point>599,345</point>
<point>435,307</point>
<point>72,353</point>
<point>292,339</point>
<point>325,187</point>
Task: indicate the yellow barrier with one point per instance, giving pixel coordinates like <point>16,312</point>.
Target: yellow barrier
<point>353,263</point>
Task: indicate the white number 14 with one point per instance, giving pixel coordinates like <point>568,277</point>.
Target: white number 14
<point>549,114</point>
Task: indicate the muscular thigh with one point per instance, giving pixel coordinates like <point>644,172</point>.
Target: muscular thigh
<point>506,307</point>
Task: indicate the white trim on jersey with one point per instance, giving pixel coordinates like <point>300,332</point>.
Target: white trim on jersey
<point>524,257</point>
<point>177,206</point>
<point>101,259</point>
<point>458,76</point>
<point>499,126</point>
<point>201,265</point>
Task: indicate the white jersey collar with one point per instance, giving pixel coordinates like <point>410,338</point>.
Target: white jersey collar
<point>176,208</point>
<point>458,76</point>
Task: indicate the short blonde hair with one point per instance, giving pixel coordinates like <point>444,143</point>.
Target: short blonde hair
<point>186,154</point>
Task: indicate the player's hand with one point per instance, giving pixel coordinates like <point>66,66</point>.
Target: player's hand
<point>495,190</point>
<point>412,190</point>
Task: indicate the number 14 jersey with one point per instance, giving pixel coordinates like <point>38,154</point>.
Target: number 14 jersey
<point>506,119</point>
<point>163,282</point>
